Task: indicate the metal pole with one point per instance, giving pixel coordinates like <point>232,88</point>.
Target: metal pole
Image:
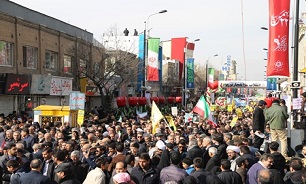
<point>296,55</point>
<point>185,76</point>
<point>296,48</point>
<point>206,76</point>
<point>144,61</point>
<point>146,37</point>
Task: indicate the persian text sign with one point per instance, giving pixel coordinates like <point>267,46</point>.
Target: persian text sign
<point>244,84</point>
<point>278,56</point>
<point>18,84</point>
<point>61,86</point>
<point>77,101</point>
<point>190,73</point>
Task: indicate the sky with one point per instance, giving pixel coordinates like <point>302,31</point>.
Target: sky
<point>224,27</point>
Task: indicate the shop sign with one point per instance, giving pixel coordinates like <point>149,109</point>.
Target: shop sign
<point>18,84</point>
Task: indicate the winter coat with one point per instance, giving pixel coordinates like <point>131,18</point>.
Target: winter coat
<point>277,116</point>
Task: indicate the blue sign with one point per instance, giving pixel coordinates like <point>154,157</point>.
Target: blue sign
<point>141,59</point>
<point>271,84</point>
<point>77,101</point>
<point>190,73</point>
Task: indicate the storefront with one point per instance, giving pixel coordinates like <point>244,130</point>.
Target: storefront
<point>49,113</point>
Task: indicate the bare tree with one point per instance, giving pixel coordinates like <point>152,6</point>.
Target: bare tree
<point>105,69</point>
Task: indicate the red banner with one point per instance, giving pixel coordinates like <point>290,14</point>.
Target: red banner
<point>278,59</point>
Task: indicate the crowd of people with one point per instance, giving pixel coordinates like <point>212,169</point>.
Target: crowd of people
<point>104,150</point>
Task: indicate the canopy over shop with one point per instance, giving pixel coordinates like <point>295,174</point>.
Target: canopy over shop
<point>49,113</point>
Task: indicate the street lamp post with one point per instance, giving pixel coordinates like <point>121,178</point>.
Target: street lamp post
<point>145,54</point>
<point>184,101</point>
<point>207,61</point>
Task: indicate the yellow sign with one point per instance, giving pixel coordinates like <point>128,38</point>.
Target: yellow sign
<point>212,107</point>
<point>229,108</point>
<point>234,122</point>
<point>80,117</point>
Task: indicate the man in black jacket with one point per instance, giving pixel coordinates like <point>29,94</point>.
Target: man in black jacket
<point>34,176</point>
<point>259,123</point>
<point>202,176</point>
<point>65,174</point>
<point>228,176</point>
<point>145,173</point>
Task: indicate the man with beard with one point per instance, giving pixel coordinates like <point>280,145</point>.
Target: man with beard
<point>233,154</point>
<point>80,169</point>
<point>145,173</point>
<point>295,173</point>
<point>11,155</point>
<point>48,164</point>
<point>266,161</point>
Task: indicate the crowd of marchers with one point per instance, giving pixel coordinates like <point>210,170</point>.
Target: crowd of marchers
<point>103,150</point>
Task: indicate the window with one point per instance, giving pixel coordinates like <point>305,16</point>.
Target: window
<point>67,64</point>
<point>82,68</point>
<point>96,68</point>
<point>51,60</point>
<point>6,53</point>
<point>30,55</point>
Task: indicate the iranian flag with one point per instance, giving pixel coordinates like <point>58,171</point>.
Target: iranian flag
<point>202,108</point>
<point>211,72</point>
<point>153,47</point>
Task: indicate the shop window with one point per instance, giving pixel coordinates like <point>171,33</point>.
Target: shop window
<point>6,53</point>
<point>83,68</point>
<point>30,55</point>
<point>67,64</point>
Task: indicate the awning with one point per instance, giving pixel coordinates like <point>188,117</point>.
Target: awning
<point>52,108</point>
<point>303,70</point>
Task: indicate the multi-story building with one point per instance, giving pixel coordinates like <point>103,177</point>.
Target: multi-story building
<point>41,58</point>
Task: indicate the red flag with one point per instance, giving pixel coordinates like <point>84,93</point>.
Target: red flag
<point>278,59</point>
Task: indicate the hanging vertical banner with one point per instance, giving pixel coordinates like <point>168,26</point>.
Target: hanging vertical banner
<point>211,73</point>
<point>278,59</point>
<point>153,47</point>
<point>141,51</point>
<point>271,84</point>
<point>190,73</point>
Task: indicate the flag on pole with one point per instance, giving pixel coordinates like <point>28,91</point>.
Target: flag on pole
<point>153,64</point>
<point>156,116</point>
<point>120,119</point>
<point>171,122</point>
<point>202,108</point>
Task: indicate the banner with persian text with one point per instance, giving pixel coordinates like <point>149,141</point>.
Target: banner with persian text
<point>190,73</point>
<point>278,56</point>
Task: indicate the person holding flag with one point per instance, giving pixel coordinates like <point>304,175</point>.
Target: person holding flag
<point>202,108</point>
<point>156,116</point>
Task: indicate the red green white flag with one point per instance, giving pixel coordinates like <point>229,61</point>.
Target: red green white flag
<point>202,108</point>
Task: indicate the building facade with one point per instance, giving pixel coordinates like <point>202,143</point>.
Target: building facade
<point>40,58</point>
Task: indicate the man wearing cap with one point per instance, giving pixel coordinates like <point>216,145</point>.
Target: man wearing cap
<point>34,176</point>
<point>259,123</point>
<point>65,174</point>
